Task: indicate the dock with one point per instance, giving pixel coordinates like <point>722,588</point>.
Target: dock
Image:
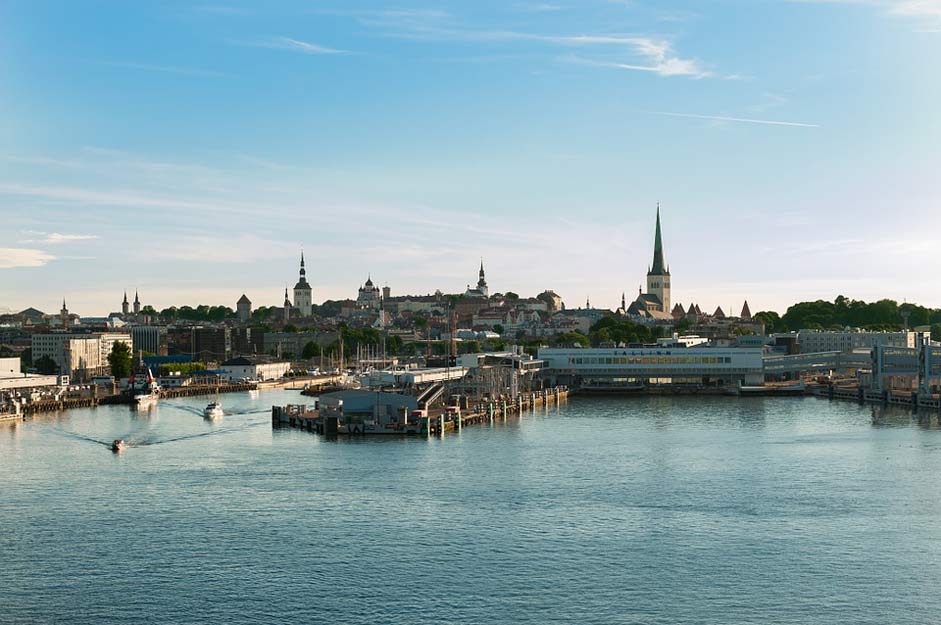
<point>433,421</point>
<point>908,399</point>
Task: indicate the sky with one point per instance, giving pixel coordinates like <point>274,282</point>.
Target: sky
<point>190,150</point>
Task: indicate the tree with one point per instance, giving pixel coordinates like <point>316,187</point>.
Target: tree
<point>46,366</point>
<point>498,329</point>
<point>510,295</point>
<point>936,332</point>
<point>311,350</point>
<point>567,339</point>
<point>619,330</point>
<point>771,319</point>
<point>120,359</point>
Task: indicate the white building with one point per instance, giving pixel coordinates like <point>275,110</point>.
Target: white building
<point>11,378</point>
<point>814,341</point>
<point>79,356</point>
<point>662,365</point>
<point>255,368</point>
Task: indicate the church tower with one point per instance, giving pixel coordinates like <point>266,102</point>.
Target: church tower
<point>136,303</point>
<point>658,277</point>
<point>303,294</point>
<point>287,307</point>
<point>482,281</point>
<point>125,307</point>
<point>64,316</point>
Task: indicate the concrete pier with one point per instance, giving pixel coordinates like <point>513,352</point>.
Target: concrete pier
<point>438,422</point>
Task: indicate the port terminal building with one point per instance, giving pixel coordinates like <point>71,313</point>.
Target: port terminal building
<point>634,367</point>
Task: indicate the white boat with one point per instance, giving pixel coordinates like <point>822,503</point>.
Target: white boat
<point>213,410</point>
<point>145,391</point>
<point>143,399</point>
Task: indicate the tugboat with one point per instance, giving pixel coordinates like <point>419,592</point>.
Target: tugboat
<point>118,445</point>
<point>213,410</point>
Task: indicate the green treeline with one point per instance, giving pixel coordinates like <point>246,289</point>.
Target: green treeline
<point>885,314</point>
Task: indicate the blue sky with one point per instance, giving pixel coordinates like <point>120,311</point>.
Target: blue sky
<point>189,150</point>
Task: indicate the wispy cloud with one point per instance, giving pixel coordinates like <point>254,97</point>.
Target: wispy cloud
<point>909,8</point>
<point>296,45</point>
<point>55,238</point>
<point>743,120</point>
<point>13,257</point>
<point>652,54</point>
<point>166,69</point>
<point>659,60</point>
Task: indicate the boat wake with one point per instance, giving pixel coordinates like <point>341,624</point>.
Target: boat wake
<point>134,439</point>
<point>226,430</point>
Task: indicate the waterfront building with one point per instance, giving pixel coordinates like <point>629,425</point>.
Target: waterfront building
<point>814,341</point>
<point>629,367</point>
<point>303,294</point>
<point>12,379</point>
<point>244,308</point>
<point>254,367</point>
<point>80,356</point>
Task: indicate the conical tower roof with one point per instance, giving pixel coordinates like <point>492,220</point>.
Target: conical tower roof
<point>659,267</point>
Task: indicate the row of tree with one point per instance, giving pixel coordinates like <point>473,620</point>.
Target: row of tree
<point>842,312</point>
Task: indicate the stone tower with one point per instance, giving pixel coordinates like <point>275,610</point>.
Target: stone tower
<point>125,306</point>
<point>244,308</point>
<point>136,303</point>
<point>658,276</point>
<point>303,294</point>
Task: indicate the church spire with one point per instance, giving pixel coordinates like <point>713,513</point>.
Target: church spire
<point>659,267</point>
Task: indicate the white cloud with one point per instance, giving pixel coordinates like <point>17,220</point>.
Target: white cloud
<point>54,238</point>
<point>909,8</point>
<point>296,45</point>
<point>13,257</point>
<point>659,62</point>
<point>654,54</point>
<point>743,120</point>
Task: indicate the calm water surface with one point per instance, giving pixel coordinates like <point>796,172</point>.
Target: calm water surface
<point>628,510</point>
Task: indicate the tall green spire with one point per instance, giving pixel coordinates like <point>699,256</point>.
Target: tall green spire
<point>658,268</point>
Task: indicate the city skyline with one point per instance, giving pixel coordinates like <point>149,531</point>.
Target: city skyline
<point>790,143</point>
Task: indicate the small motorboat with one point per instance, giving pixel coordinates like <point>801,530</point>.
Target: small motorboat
<point>213,410</point>
<point>118,444</point>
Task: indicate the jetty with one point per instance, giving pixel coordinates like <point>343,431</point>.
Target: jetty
<point>392,414</point>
